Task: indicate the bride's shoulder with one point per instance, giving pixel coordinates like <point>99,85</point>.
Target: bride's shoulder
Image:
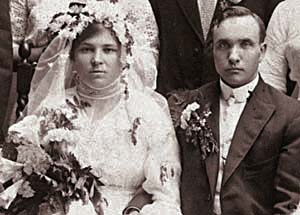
<point>148,98</point>
<point>149,105</point>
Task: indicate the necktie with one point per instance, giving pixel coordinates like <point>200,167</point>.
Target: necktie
<point>229,116</point>
<point>207,8</point>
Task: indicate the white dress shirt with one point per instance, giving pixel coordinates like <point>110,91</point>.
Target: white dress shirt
<point>232,104</point>
<point>206,11</point>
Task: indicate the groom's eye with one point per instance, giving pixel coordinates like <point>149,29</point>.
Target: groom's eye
<point>246,43</point>
<point>222,45</point>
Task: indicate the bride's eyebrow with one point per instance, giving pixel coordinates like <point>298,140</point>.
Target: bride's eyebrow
<point>110,45</point>
<point>85,44</point>
<point>103,45</point>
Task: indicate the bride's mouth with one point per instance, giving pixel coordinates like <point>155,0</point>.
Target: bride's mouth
<point>97,72</point>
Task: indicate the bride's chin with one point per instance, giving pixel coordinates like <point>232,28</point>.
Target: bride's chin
<point>95,83</point>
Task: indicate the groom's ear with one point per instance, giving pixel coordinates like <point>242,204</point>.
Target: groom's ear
<point>138,201</point>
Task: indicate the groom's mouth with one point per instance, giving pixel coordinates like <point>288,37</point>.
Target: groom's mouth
<point>234,69</point>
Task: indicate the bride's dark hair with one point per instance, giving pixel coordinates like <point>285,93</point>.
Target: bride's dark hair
<point>88,32</point>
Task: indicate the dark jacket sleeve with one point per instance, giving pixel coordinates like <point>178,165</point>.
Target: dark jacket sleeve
<point>287,179</point>
<point>139,200</point>
<point>6,59</point>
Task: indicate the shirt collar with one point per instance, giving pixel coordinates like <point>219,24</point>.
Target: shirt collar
<point>241,93</point>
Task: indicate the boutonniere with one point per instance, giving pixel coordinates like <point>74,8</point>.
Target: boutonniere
<point>193,121</point>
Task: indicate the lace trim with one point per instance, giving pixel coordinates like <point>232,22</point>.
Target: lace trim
<point>142,17</point>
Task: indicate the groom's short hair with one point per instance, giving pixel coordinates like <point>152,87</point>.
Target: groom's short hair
<point>239,11</point>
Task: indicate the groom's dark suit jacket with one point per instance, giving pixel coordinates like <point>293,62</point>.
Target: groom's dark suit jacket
<point>185,58</point>
<point>262,173</point>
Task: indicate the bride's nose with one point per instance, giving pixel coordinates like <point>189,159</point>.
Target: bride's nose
<point>97,58</point>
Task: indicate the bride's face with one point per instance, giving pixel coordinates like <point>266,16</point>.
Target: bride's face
<point>97,59</point>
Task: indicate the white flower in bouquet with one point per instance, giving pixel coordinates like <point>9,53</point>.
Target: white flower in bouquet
<point>186,114</point>
<point>28,133</point>
<point>34,158</point>
<point>59,135</point>
<point>25,190</point>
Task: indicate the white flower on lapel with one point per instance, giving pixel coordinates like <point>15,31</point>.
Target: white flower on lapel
<point>235,1</point>
<point>186,114</point>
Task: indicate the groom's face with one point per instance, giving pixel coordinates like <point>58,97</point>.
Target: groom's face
<point>237,50</point>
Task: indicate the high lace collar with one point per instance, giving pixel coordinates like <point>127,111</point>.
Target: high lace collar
<point>89,92</point>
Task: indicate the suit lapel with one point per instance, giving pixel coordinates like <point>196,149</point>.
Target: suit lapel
<point>256,114</point>
<point>211,96</point>
<point>191,11</point>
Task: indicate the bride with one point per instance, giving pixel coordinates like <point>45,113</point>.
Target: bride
<point>124,130</point>
<point>28,18</point>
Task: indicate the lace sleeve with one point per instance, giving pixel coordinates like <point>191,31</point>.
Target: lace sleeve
<point>18,14</point>
<point>162,168</point>
<point>274,66</point>
<point>293,44</point>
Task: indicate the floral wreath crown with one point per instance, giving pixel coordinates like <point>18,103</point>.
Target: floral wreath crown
<point>71,23</point>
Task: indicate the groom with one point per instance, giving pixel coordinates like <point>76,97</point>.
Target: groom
<point>256,170</point>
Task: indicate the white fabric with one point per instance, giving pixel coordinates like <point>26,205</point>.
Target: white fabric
<point>19,10</point>
<point>206,11</point>
<point>106,145</point>
<point>105,141</point>
<point>232,104</point>
<point>26,25</point>
<point>52,75</point>
<point>141,16</point>
<point>283,41</point>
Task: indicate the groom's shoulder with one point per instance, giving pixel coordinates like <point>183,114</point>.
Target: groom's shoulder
<point>184,97</point>
<point>209,87</point>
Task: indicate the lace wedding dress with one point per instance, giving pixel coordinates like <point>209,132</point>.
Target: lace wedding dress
<point>126,158</point>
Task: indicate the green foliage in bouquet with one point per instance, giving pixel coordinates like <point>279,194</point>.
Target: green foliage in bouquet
<point>46,176</point>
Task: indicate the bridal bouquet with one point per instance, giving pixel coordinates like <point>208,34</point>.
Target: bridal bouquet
<point>39,174</point>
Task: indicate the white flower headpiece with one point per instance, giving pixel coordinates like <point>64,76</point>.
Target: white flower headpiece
<point>71,23</point>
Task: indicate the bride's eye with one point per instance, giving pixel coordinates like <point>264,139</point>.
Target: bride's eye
<point>109,50</point>
<point>86,49</point>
